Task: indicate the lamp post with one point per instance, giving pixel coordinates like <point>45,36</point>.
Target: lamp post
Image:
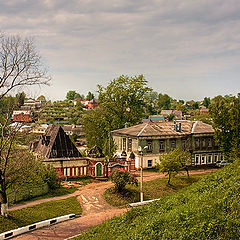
<point>140,150</point>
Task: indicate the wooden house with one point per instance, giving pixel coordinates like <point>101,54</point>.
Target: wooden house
<point>160,137</point>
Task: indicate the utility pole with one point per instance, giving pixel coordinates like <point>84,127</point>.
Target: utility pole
<point>140,151</point>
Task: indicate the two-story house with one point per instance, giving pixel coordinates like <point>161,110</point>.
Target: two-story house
<point>157,138</point>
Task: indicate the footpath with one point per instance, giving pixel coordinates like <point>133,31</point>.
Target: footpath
<point>95,210</point>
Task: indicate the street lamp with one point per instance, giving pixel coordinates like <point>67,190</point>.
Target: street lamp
<point>140,150</point>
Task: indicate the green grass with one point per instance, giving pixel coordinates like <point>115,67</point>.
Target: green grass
<point>40,212</point>
<point>208,209</point>
<point>52,193</point>
<point>60,191</point>
<point>152,189</point>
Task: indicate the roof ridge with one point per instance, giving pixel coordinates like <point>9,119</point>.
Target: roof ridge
<point>194,126</point>
<point>142,130</point>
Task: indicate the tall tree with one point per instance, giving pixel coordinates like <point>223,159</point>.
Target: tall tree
<point>123,100</point>
<point>20,64</point>
<point>96,126</point>
<point>225,112</point>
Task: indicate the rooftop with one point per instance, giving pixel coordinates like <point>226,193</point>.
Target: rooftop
<point>165,129</point>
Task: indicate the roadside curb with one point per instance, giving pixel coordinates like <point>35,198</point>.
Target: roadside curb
<point>142,203</point>
<point>29,228</point>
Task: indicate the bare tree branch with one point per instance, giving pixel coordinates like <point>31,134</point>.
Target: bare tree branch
<point>20,64</point>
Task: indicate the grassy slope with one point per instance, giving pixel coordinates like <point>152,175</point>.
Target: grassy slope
<point>157,188</point>
<point>43,211</point>
<point>208,209</point>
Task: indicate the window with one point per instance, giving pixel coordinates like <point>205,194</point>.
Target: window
<point>209,142</point>
<point>184,143</point>
<point>221,157</point>
<point>173,143</point>
<point>203,159</point>
<point>149,163</point>
<point>197,143</point>
<point>215,158</point>
<point>203,142</point>
<point>129,144</point>
<point>209,158</point>
<point>161,145</point>
<point>197,159</point>
<point>149,144</point>
<point>124,144</point>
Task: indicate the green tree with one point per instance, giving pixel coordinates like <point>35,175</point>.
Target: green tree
<point>206,101</point>
<point>195,105</point>
<point>164,101</point>
<point>89,96</point>
<point>96,126</point>
<point>225,112</point>
<point>121,179</point>
<point>71,95</point>
<point>123,100</point>
<point>20,97</point>
<point>169,163</point>
<point>183,157</point>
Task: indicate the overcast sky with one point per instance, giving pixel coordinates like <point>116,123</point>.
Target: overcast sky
<point>188,49</point>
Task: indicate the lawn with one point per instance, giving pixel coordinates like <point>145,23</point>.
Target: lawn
<point>62,190</point>
<point>152,189</point>
<point>40,212</point>
<point>52,193</point>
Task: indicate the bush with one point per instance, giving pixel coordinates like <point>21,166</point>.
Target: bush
<point>121,179</point>
<point>51,178</point>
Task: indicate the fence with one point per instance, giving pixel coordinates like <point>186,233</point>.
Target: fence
<point>26,193</point>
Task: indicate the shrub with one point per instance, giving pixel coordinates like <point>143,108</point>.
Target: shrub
<point>51,178</point>
<point>121,179</point>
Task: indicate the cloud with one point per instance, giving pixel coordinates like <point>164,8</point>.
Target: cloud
<point>176,44</point>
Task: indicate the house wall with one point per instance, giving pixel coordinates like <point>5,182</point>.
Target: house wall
<point>70,168</point>
<point>22,118</point>
<point>207,152</point>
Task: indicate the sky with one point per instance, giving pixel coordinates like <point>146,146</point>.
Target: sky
<point>188,49</point>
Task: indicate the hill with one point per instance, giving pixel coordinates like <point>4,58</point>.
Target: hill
<point>208,209</point>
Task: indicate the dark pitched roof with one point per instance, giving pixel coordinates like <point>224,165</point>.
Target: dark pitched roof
<point>151,129</point>
<point>55,143</point>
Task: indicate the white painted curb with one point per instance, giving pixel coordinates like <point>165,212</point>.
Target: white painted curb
<point>142,203</point>
<point>18,231</point>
